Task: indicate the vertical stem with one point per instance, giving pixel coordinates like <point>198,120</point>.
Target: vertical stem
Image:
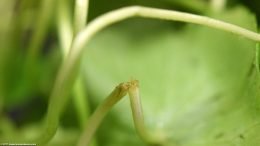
<point>66,35</point>
<point>81,101</point>
<point>80,15</point>
<point>137,112</point>
<point>65,29</point>
<point>218,5</point>
<point>79,89</point>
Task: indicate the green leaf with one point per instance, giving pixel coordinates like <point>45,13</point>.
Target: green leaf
<point>198,85</point>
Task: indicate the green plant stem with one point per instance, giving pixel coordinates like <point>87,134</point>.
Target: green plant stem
<point>67,73</point>
<point>80,101</point>
<point>80,15</point>
<point>66,35</point>
<point>218,5</point>
<point>80,94</point>
<point>65,29</point>
<point>138,117</point>
<point>94,121</point>
<point>137,110</point>
<point>118,15</point>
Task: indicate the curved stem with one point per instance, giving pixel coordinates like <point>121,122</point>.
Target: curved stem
<point>137,112</point>
<point>94,121</point>
<point>80,94</point>
<point>68,70</point>
<point>118,15</point>
<point>65,30</point>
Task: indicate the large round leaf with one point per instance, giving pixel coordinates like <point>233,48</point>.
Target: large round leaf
<point>198,85</point>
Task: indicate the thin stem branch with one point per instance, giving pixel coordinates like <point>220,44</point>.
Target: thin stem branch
<point>218,5</point>
<point>94,121</point>
<point>65,30</point>
<point>80,101</point>
<point>135,11</point>
<point>80,94</point>
<point>67,73</point>
<point>138,117</point>
<point>80,15</point>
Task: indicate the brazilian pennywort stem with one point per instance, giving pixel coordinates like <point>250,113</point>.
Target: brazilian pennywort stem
<point>97,117</point>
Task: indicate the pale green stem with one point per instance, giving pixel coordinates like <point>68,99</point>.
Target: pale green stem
<point>81,104</point>
<point>80,96</point>
<point>137,111</point>
<point>65,30</point>
<point>138,117</point>
<point>94,121</point>
<point>66,36</point>
<point>118,15</point>
<point>218,5</point>
<point>67,76</point>
<point>80,15</point>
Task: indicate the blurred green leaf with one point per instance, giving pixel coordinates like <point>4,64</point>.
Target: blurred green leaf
<point>198,85</point>
<point>16,86</point>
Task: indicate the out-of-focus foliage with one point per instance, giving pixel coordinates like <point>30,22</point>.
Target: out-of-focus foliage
<point>17,85</point>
